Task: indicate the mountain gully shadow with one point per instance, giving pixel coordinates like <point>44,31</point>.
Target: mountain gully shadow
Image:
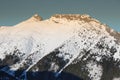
<point>44,75</point>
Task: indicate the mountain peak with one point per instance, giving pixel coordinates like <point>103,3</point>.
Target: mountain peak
<point>35,17</point>
<point>72,17</point>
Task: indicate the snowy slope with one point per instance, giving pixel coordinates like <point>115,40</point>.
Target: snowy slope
<point>34,39</point>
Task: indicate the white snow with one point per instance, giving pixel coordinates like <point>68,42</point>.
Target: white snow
<point>95,71</point>
<point>116,79</point>
<point>27,35</point>
<point>54,67</point>
<point>117,54</point>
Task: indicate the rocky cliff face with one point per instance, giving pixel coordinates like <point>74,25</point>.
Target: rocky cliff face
<point>65,43</point>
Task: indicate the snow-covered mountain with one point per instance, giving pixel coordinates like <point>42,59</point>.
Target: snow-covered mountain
<point>72,43</point>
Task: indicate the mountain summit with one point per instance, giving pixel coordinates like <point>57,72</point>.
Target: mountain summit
<point>70,43</point>
<point>35,17</point>
<point>73,17</point>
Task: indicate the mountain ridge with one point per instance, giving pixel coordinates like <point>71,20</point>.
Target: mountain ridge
<point>61,43</point>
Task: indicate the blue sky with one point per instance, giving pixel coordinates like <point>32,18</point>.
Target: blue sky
<point>15,11</point>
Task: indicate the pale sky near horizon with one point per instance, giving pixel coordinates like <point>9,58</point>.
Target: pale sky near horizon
<point>15,11</point>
